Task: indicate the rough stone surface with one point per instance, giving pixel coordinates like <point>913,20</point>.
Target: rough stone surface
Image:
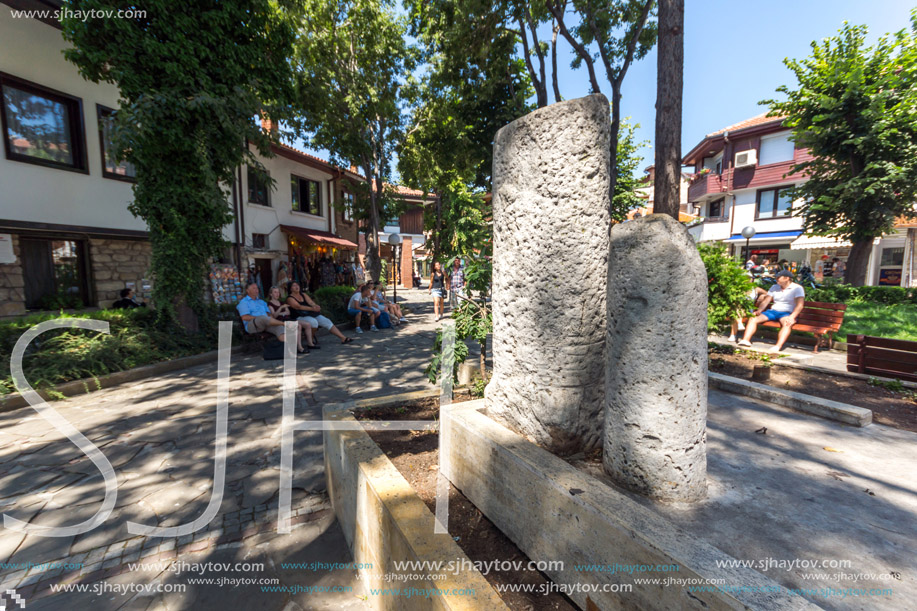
<point>550,208</point>
<point>12,295</point>
<point>117,262</point>
<point>656,361</point>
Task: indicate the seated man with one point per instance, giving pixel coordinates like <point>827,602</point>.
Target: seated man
<point>788,299</point>
<point>359,305</point>
<point>127,301</point>
<point>256,316</point>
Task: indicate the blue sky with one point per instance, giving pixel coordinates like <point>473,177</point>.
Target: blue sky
<point>734,53</point>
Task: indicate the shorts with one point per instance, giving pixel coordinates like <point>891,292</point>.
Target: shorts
<point>775,315</point>
<point>262,324</point>
<point>354,312</point>
<point>321,321</point>
<point>437,293</point>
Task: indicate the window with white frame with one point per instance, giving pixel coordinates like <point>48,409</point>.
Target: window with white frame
<point>347,198</point>
<point>306,195</point>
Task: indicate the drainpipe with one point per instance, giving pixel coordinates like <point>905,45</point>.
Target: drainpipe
<point>242,264</point>
<point>730,170</point>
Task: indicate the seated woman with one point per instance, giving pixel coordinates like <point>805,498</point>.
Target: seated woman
<point>393,309</point>
<point>308,313</point>
<point>359,305</point>
<point>281,312</point>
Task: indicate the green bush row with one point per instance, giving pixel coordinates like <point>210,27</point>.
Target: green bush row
<point>136,337</point>
<point>333,300</point>
<point>843,293</point>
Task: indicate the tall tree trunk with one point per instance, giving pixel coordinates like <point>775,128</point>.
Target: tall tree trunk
<point>556,29</point>
<point>373,263</point>
<point>437,233</point>
<point>858,262</point>
<point>613,152</point>
<point>669,83</point>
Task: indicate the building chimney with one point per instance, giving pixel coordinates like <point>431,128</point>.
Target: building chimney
<point>268,125</point>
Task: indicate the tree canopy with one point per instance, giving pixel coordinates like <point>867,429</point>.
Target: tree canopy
<point>351,61</point>
<point>193,78</point>
<point>855,108</point>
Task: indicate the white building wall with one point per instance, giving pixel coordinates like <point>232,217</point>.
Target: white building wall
<point>32,51</point>
<point>267,219</point>
<point>744,210</point>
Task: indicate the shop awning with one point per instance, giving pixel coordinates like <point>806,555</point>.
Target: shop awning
<point>318,237</point>
<point>808,242</point>
<point>770,235</point>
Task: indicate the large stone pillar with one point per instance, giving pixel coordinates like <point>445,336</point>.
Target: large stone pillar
<point>656,361</point>
<point>550,209</point>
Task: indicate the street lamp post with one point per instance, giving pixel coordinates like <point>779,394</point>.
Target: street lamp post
<point>748,233</point>
<point>395,241</point>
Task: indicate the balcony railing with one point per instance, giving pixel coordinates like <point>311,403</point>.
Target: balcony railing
<point>705,185</point>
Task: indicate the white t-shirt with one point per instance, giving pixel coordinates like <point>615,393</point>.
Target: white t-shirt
<point>355,300</point>
<point>785,300</point>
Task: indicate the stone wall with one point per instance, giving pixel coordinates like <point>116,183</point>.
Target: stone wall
<point>12,285</point>
<point>115,263</point>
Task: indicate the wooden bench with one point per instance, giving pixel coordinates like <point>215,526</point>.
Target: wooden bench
<point>889,358</point>
<point>821,319</point>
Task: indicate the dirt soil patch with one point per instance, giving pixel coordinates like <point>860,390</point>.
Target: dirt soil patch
<point>415,454</point>
<point>888,407</point>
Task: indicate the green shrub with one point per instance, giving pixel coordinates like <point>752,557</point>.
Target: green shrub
<point>727,285</point>
<point>844,293</point>
<point>333,300</point>
<point>136,337</point>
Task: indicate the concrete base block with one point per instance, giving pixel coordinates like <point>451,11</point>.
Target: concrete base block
<point>554,512</point>
<point>833,410</point>
<point>384,521</point>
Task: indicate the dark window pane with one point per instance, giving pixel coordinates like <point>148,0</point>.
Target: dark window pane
<point>110,163</point>
<point>315,204</point>
<point>257,187</point>
<point>294,189</point>
<point>38,127</point>
<point>892,257</point>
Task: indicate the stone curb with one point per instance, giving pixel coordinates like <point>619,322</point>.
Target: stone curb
<point>384,520</point>
<point>837,372</point>
<point>832,410</point>
<point>87,385</point>
<point>847,374</point>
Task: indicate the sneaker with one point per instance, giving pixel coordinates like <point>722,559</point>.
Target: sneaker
<point>745,343</point>
<point>402,319</point>
<point>732,338</point>
<point>358,330</point>
<point>373,328</point>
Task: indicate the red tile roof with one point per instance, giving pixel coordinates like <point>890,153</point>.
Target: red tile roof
<point>761,119</point>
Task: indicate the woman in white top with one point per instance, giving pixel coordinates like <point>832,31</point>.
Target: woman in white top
<point>393,309</point>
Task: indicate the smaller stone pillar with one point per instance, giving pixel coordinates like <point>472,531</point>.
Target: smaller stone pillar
<point>656,361</point>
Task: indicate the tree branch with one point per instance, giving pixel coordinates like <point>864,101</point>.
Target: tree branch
<point>558,12</point>
<point>555,28</point>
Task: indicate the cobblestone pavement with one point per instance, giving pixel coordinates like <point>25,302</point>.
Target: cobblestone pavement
<point>159,436</point>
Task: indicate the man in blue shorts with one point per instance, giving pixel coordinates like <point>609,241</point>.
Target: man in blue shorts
<point>788,299</point>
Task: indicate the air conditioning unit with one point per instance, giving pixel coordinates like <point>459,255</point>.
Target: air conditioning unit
<point>746,159</point>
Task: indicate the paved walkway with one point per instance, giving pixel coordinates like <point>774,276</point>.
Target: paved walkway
<point>159,436</point>
<point>834,360</point>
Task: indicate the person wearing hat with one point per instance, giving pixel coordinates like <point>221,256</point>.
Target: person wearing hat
<point>788,299</point>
